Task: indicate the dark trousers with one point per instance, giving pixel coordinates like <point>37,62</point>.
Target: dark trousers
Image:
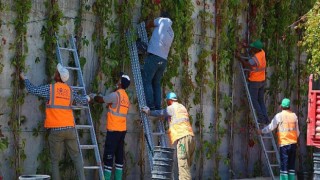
<point>114,146</point>
<point>257,96</point>
<point>288,158</point>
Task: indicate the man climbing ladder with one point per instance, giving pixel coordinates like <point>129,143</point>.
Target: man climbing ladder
<point>257,78</point>
<point>257,64</point>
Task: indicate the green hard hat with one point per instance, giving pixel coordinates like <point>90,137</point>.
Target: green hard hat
<point>257,44</point>
<point>285,103</point>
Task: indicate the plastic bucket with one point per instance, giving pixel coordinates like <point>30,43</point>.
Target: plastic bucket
<point>316,175</point>
<point>34,177</point>
<point>316,166</point>
<point>161,175</point>
<point>162,163</point>
<point>163,153</point>
<point>162,167</point>
<point>162,160</point>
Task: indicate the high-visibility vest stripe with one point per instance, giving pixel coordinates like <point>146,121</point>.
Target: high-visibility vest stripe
<point>176,121</point>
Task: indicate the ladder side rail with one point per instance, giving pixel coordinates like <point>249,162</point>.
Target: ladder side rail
<point>89,119</point>
<point>142,33</point>
<point>76,59</point>
<point>58,51</point>
<point>139,87</point>
<point>163,137</point>
<point>275,147</point>
<point>255,119</point>
<point>140,94</point>
<point>88,112</point>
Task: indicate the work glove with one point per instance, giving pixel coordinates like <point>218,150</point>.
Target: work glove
<point>146,110</point>
<point>90,97</point>
<point>22,76</point>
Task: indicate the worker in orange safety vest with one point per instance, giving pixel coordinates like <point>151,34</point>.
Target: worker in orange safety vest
<point>288,133</point>
<point>118,104</point>
<point>180,132</point>
<point>59,118</point>
<point>257,66</point>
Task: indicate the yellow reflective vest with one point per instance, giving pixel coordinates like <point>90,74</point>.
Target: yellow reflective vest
<point>287,128</point>
<point>179,125</point>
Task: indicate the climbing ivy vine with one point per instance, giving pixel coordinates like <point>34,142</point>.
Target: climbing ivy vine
<point>53,22</point>
<point>22,9</point>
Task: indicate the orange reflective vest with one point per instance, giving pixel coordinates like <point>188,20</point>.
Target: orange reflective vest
<point>117,117</point>
<point>179,125</point>
<point>58,108</point>
<point>258,73</point>
<point>287,130</point>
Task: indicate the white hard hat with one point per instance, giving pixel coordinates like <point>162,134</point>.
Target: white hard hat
<point>64,73</point>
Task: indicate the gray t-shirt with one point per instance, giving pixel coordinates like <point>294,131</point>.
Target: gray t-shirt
<point>111,98</point>
<point>162,37</point>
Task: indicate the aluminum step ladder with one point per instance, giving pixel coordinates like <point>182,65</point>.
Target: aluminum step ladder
<point>263,138</point>
<point>81,90</point>
<point>135,65</point>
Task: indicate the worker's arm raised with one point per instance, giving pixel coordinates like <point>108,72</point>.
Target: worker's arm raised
<point>41,91</point>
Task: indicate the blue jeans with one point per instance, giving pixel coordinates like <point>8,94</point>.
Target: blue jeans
<point>257,96</point>
<point>288,158</point>
<point>154,67</point>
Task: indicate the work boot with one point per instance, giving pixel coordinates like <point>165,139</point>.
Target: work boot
<point>283,176</point>
<point>118,174</point>
<point>107,175</point>
<point>292,176</point>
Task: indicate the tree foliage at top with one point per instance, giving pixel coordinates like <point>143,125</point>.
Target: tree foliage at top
<point>311,40</point>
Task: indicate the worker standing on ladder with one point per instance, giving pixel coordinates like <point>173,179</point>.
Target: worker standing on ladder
<point>257,79</point>
<point>118,104</point>
<point>180,132</point>
<point>59,119</point>
<point>288,133</point>
<point>156,61</point>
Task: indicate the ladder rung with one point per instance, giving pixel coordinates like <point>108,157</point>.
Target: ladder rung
<point>87,146</point>
<point>72,68</point>
<point>67,49</point>
<point>274,165</point>
<point>79,107</point>
<point>270,151</point>
<point>77,87</point>
<point>266,137</point>
<point>158,133</point>
<point>83,127</point>
<point>91,167</point>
